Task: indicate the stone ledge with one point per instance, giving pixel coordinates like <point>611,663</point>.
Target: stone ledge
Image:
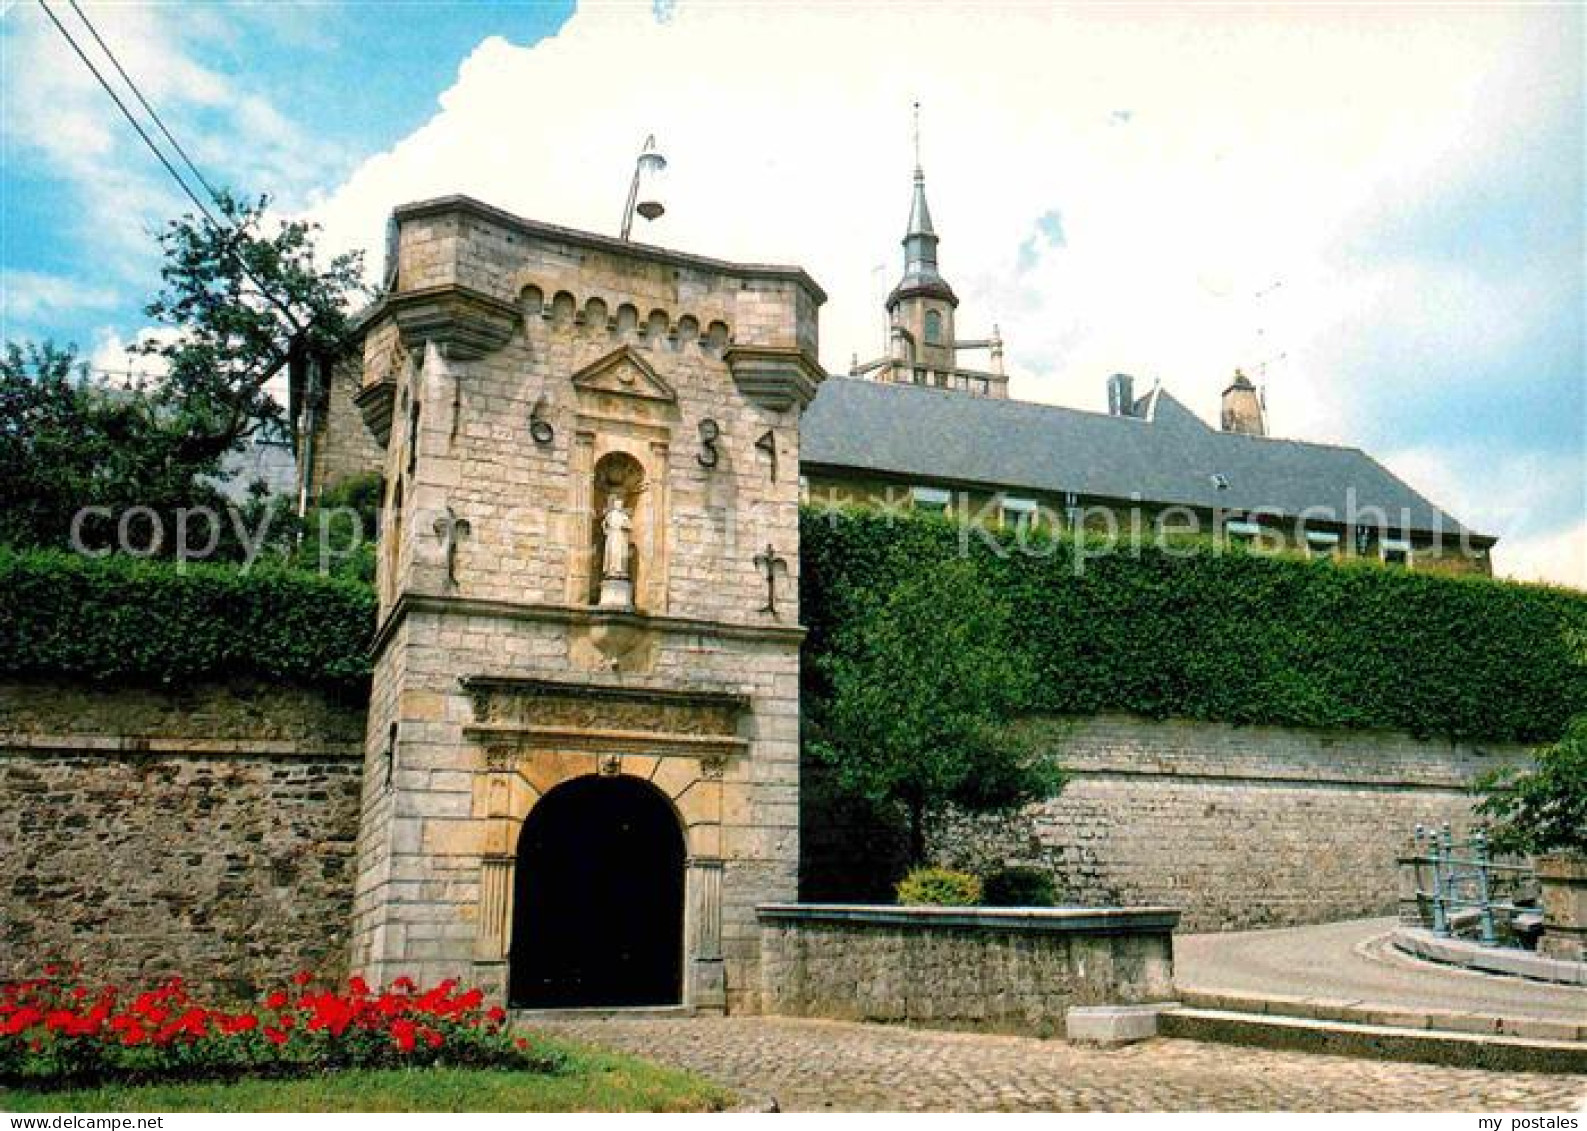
<point>568,738</point>
<point>87,745</point>
<point>1014,920</point>
<point>411,602</point>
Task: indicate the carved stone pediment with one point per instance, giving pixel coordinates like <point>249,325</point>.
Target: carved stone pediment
<point>624,373</point>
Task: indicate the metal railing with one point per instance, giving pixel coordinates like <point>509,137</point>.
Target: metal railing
<point>1457,880</point>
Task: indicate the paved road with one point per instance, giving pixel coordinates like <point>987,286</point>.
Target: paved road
<point>833,1065</point>
<point>1323,961</point>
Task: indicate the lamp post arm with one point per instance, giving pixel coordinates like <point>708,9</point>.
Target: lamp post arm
<point>633,198</point>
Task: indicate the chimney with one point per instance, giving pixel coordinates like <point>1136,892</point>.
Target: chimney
<point>1121,395</point>
<point>1242,407</point>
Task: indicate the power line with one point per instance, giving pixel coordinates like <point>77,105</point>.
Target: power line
<point>133,121</point>
<point>144,102</point>
<point>187,189</point>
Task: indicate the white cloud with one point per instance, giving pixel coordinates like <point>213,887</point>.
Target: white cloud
<point>37,296</point>
<point>57,119</point>
<point>1194,157</point>
<point>1559,557</point>
<point>1538,502</point>
<point>120,360</point>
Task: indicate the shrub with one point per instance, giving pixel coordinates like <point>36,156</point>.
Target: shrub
<point>1019,887</point>
<point>136,621</point>
<point>1542,810</point>
<point>54,1033</point>
<point>1239,638</point>
<point>939,887</point>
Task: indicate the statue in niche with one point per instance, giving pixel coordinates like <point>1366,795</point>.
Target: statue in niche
<point>615,524</point>
<point>616,566</point>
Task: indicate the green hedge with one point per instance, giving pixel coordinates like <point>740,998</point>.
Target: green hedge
<point>1236,637</point>
<point>148,622</point>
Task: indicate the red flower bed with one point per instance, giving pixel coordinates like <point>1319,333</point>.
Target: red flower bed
<point>56,1031</point>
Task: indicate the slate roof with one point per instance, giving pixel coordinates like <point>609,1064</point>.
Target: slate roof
<point>1166,455</point>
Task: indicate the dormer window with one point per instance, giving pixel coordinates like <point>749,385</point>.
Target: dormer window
<point>1017,514</point>
<point>933,327</point>
<point>933,500</point>
<point>1395,552</point>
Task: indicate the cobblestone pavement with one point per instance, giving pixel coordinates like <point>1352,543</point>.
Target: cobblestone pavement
<point>843,1066</point>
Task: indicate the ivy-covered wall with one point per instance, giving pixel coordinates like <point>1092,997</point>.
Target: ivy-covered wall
<point>1232,637</point>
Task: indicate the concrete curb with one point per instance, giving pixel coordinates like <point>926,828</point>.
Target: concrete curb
<point>1378,1042</point>
<point>1421,943</point>
<point>1360,1012</point>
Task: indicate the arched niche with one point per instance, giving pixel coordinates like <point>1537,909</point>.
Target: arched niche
<point>619,474</point>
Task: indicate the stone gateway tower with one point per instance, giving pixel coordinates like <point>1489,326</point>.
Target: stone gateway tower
<point>582,759</point>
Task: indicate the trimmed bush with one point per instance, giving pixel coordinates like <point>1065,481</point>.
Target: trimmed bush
<point>1019,887</point>
<point>1190,632</point>
<point>939,887</point>
<point>147,622</point>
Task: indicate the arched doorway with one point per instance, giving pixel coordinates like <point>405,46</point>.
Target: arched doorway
<point>598,899</point>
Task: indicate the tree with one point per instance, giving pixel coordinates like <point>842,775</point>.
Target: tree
<point>245,299</point>
<point>1542,810</point>
<point>68,442</point>
<point>922,687</point>
<point>242,300</point>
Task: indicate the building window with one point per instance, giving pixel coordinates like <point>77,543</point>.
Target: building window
<point>1242,533</point>
<point>1395,552</point>
<point>920,377</point>
<point>1321,544</point>
<point>933,328</point>
<point>933,500</point>
<point>1018,514</point>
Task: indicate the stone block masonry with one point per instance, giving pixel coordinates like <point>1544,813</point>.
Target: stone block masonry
<point>1241,827</point>
<point>207,833</point>
<point>524,379</point>
<point>1011,969</point>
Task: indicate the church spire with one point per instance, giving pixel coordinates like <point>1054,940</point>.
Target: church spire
<point>921,277</point>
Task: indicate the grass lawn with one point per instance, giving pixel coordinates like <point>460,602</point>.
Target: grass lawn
<point>593,1081</point>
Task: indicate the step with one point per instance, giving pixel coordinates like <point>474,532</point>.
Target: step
<point>1390,1015</point>
<point>603,1013</point>
<point>1379,1042</point>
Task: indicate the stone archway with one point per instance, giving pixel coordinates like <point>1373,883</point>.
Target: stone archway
<point>598,907</point>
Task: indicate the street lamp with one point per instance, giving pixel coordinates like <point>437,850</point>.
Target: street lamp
<point>643,194</point>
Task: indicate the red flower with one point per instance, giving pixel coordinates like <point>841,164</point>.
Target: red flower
<point>358,986</point>
<point>496,1015</point>
<point>277,1000</point>
<point>402,1031</point>
<point>275,1036</point>
<point>302,978</point>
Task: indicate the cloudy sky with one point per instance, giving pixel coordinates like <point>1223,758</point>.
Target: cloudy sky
<point>1377,210</point>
